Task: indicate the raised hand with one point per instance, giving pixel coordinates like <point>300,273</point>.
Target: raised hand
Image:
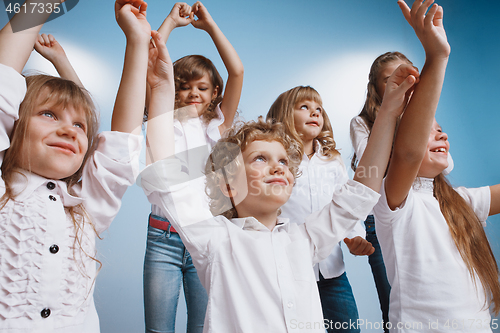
<point>131,17</point>
<point>399,88</point>
<point>160,70</point>
<point>181,14</point>
<point>204,21</point>
<point>359,246</point>
<point>49,48</point>
<point>428,27</point>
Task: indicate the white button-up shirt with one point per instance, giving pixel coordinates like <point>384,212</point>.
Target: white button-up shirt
<point>257,280</point>
<point>46,279</point>
<point>313,190</point>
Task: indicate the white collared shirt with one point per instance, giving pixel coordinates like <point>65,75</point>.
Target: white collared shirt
<point>195,139</point>
<point>46,281</point>
<point>257,280</point>
<point>313,190</point>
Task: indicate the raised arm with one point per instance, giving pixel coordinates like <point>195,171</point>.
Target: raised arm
<point>373,163</point>
<point>129,105</point>
<point>234,66</point>
<point>50,49</point>
<point>179,16</point>
<point>160,133</point>
<point>17,37</point>
<point>414,130</point>
<point>495,199</point>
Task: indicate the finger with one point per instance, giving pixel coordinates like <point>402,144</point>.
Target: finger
<point>405,10</point>
<point>429,18</point>
<point>143,8</point>
<point>46,40</point>
<point>438,17</point>
<point>52,39</point>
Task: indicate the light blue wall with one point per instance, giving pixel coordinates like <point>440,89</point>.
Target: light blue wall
<point>327,44</point>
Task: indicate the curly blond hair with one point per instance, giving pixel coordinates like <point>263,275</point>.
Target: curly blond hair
<point>223,164</point>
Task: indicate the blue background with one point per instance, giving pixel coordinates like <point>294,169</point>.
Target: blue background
<point>328,44</point>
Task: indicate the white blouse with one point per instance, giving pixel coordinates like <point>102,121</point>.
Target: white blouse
<point>313,190</point>
<point>194,140</point>
<point>257,280</point>
<point>46,279</point>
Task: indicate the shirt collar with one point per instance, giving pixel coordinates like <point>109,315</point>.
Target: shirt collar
<point>251,223</point>
<point>25,183</point>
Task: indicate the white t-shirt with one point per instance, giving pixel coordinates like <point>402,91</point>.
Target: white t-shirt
<point>431,285</point>
<point>257,280</point>
<point>313,190</point>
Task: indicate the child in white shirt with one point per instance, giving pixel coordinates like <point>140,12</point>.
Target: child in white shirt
<point>258,268</point>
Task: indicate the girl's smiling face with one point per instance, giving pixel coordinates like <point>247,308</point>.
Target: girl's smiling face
<point>198,92</point>
<point>436,154</point>
<point>308,119</point>
<point>56,141</point>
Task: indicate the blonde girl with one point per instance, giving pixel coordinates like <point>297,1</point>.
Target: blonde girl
<point>57,192</point>
<point>200,89</point>
<point>322,172</point>
<point>443,274</point>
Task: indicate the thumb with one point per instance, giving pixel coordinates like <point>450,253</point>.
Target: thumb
<point>407,84</point>
<point>347,241</point>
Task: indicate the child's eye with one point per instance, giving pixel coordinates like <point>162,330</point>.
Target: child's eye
<point>319,110</point>
<point>184,87</point>
<point>203,89</point>
<point>80,125</point>
<point>48,114</point>
<point>304,107</point>
<point>284,162</point>
<point>259,158</point>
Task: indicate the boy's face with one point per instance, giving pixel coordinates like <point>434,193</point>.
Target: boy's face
<point>268,181</point>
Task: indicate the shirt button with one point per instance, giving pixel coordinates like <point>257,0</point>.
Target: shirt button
<point>290,304</point>
<point>53,198</point>
<point>54,249</point>
<point>51,185</point>
<point>45,313</point>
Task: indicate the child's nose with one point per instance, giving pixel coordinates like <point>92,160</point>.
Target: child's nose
<point>67,130</point>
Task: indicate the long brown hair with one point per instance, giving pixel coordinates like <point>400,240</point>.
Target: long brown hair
<point>470,238</point>
<point>41,90</point>
<point>283,110</point>
<point>373,99</point>
<point>193,67</point>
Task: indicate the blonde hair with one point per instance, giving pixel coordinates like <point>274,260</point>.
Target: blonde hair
<point>470,238</point>
<point>194,67</point>
<point>283,110</point>
<point>54,91</point>
<point>227,150</point>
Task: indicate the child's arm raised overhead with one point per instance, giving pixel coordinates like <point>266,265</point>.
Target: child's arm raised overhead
<point>179,16</point>
<point>50,49</point>
<point>372,166</point>
<point>17,43</point>
<point>414,129</point>
<point>129,105</point>
<point>160,133</point>
<point>234,66</point>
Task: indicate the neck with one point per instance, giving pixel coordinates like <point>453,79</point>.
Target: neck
<point>268,219</point>
<point>308,148</point>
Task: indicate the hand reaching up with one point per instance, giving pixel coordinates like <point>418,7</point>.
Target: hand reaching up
<point>49,48</point>
<point>181,14</point>
<point>131,17</point>
<point>204,21</point>
<point>428,27</point>
<point>399,88</point>
<point>160,69</point>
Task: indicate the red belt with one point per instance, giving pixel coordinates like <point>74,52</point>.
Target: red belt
<point>159,224</point>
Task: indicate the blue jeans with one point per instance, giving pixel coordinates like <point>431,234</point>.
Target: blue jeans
<point>377,265</point>
<point>339,306</point>
<point>167,264</point>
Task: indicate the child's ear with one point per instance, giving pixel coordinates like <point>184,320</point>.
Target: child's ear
<point>216,91</point>
<point>227,189</point>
